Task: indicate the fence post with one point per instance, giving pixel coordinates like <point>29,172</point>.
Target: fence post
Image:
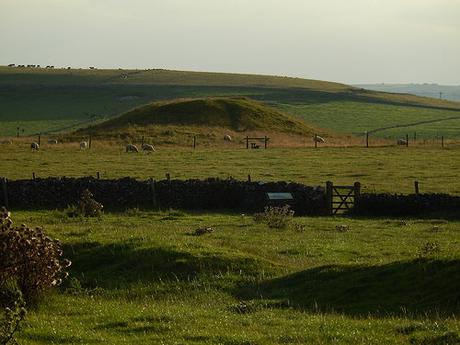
<point>329,186</point>
<point>170,196</point>
<point>142,143</point>
<point>194,142</point>
<point>315,140</point>
<point>249,177</point>
<point>416,187</point>
<point>153,194</point>
<point>247,142</point>
<point>407,140</point>
<point>367,139</point>
<point>5,192</point>
<point>98,175</point>
<point>39,139</point>
<point>33,175</point>
<point>266,141</point>
<point>89,141</point>
<point>415,137</point>
<point>357,190</point>
<point>442,141</point>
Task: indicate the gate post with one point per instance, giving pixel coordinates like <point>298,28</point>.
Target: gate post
<point>357,189</point>
<point>329,186</point>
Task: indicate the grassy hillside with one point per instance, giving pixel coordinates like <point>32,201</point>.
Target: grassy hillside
<point>142,277</point>
<point>33,98</point>
<point>358,117</point>
<point>236,114</point>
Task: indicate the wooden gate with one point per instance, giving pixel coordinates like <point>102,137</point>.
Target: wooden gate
<point>341,199</point>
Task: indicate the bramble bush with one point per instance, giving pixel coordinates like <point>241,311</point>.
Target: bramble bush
<point>29,259</point>
<point>275,217</point>
<point>89,207</point>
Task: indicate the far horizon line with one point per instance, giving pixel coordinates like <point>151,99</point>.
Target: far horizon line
<point>227,72</point>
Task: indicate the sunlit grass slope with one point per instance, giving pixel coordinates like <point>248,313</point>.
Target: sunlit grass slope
<point>236,114</point>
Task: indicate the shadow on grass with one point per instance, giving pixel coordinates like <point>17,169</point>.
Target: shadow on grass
<point>113,266</point>
<point>418,287</point>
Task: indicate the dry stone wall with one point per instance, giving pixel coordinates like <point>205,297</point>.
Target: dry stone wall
<point>206,194</point>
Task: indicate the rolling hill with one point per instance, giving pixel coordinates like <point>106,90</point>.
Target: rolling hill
<point>59,100</point>
<point>237,116</point>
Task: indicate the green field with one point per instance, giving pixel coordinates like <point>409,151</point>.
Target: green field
<point>390,169</point>
<point>141,277</point>
<point>358,117</point>
<point>32,98</point>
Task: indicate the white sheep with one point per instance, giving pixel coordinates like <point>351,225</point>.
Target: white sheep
<point>227,138</point>
<point>7,142</point>
<point>131,148</point>
<point>318,139</point>
<point>83,145</point>
<point>35,146</point>
<point>148,147</point>
<point>52,141</point>
<point>402,142</point>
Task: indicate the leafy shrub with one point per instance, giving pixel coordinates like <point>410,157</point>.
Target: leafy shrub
<point>275,217</point>
<point>89,207</point>
<point>28,258</point>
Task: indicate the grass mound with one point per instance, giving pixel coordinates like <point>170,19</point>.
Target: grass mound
<point>238,114</point>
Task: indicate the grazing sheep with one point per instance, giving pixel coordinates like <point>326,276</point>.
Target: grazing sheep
<point>402,142</point>
<point>83,145</point>
<point>148,147</point>
<point>227,138</point>
<point>7,142</point>
<point>35,146</point>
<point>319,139</point>
<point>52,141</point>
<point>131,148</point>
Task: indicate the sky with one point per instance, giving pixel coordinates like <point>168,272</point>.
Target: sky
<point>349,41</point>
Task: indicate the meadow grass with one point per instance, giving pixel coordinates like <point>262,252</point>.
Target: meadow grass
<point>142,276</point>
<point>380,169</point>
<point>44,96</point>
<point>359,117</point>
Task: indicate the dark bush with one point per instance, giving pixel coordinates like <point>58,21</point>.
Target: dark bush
<point>29,259</point>
<point>88,207</point>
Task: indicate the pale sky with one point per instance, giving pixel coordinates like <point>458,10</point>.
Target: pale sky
<point>350,41</point>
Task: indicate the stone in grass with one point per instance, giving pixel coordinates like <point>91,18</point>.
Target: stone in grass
<point>342,228</point>
<point>435,228</point>
<point>203,231</point>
